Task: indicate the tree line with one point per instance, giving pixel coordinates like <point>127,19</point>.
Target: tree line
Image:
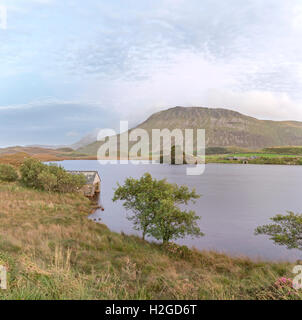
<point>37,175</point>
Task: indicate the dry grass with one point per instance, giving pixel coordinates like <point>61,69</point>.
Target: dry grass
<point>16,156</point>
<point>52,251</point>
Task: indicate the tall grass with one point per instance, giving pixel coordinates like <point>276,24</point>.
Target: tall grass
<point>52,251</point>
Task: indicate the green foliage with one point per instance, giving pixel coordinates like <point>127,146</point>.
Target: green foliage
<point>70,183</point>
<point>284,150</point>
<point>30,170</point>
<point>8,173</point>
<point>216,150</point>
<point>37,175</point>
<point>172,223</point>
<point>154,206</point>
<point>60,254</point>
<point>286,230</point>
<point>47,180</point>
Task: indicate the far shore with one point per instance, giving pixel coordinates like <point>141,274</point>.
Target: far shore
<point>16,160</point>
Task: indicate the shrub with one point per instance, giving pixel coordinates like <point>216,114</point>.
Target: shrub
<point>285,231</point>
<point>35,174</point>
<point>70,183</point>
<point>8,173</point>
<point>155,208</point>
<point>47,181</point>
<point>30,170</point>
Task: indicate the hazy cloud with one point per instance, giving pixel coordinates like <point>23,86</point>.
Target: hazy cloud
<point>131,58</point>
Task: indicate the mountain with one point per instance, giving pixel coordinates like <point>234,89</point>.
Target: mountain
<point>86,140</point>
<point>224,128</point>
<point>45,146</point>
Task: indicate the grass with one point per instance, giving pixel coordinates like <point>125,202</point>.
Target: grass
<point>266,155</point>
<point>274,155</point>
<point>16,159</point>
<point>261,158</point>
<point>52,251</point>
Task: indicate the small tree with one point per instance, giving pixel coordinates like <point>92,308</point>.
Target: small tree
<point>154,206</point>
<point>35,174</point>
<point>8,173</point>
<point>70,183</point>
<point>170,222</point>
<point>47,180</point>
<point>30,170</point>
<point>286,231</point>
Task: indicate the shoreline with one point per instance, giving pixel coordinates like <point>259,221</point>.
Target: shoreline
<point>81,259</point>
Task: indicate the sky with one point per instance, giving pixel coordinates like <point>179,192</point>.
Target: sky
<point>68,67</point>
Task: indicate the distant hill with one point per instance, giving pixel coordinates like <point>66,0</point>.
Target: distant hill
<point>86,140</point>
<point>27,150</point>
<point>224,128</point>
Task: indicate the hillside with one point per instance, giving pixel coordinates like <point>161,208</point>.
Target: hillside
<point>52,251</point>
<point>224,128</point>
<point>16,155</point>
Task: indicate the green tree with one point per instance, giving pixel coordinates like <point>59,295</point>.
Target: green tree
<point>35,174</point>
<point>30,170</point>
<point>8,173</point>
<point>47,180</point>
<point>171,223</point>
<point>70,183</point>
<point>286,230</point>
<point>154,207</point>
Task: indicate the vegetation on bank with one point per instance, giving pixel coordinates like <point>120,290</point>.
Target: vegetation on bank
<point>274,155</point>
<point>34,174</point>
<point>52,251</point>
<point>8,173</point>
<point>154,206</point>
<point>286,230</point>
<point>253,158</point>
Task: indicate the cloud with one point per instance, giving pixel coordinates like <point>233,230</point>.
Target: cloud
<point>46,103</point>
<point>51,123</point>
<point>260,104</point>
<point>136,57</point>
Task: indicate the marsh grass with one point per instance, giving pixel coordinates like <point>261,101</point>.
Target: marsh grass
<point>52,251</point>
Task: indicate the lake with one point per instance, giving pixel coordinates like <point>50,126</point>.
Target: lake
<point>235,200</point>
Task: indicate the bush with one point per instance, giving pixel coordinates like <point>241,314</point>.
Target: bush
<point>70,183</point>
<point>155,208</point>
<point>8,173</point>
<point>30,170</point>
<point>35,174</point>
<point>66,182</point>
<point>47,181</point>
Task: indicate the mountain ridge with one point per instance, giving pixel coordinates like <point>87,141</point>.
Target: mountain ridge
<point>224,128</point>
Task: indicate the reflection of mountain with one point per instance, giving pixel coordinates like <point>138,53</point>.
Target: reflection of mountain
<point>223,128</point>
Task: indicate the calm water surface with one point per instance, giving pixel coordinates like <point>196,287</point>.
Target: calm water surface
<point>235,200</point>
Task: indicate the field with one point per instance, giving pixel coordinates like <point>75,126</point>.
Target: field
<point>265,155</point>
<point>274,155</point>
<point>52,251</point>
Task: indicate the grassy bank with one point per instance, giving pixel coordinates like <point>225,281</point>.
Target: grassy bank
<point>260,158</point>
<point>52,251</point>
